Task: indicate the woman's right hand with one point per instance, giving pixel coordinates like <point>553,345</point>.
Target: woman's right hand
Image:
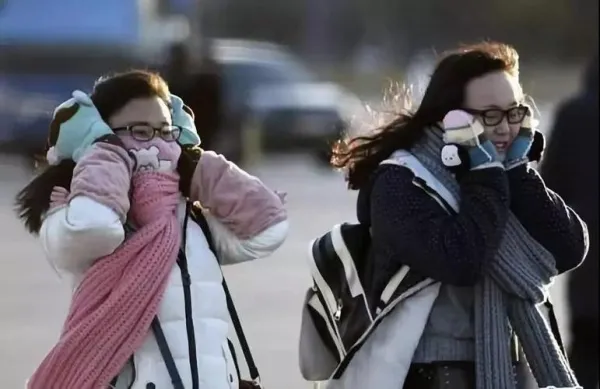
<point>462,130</point>
<point>103,174</point>
<point>79,131</point>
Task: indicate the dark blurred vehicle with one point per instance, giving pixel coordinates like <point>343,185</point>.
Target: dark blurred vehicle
<point>34,80</point>
<point>266,86</point>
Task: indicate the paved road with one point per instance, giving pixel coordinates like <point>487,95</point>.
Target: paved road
<point>268,292</point>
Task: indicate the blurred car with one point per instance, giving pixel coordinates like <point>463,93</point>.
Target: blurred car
<point>34,80</point>
<point>265,88</point>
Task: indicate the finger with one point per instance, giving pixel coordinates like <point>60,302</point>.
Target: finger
<point>457,119</point>
<point>176,102</point>
<point>82,98</point>
<point>58,197</point>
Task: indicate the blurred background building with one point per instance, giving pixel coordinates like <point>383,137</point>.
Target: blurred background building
<point>264,77</point>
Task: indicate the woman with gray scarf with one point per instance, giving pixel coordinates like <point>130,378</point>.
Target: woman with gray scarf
<point>495,252</point>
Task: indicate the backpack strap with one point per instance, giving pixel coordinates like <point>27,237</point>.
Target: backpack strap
<point>159,334</point>
<point>235,319</point>
<point>186,283</point>
<point>165,351</point>
<point>156,327</point>
<point>423,177</point>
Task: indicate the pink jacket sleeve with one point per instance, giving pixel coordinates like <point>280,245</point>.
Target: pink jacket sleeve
<point>86,223</point>
<point>240,201</point>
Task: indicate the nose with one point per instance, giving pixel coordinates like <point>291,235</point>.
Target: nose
<point>502,128</point>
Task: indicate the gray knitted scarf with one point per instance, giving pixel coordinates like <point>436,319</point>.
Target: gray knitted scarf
<point>516,283</point>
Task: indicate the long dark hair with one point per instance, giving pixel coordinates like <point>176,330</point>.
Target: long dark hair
<point>110,94</point>
<point>361,155</point>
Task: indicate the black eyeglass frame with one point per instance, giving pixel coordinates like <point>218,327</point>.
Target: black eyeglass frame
<point>159,130</point>
<point>494,120</point>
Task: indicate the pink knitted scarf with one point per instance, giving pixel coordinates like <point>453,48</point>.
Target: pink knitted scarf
<point>113,306</point>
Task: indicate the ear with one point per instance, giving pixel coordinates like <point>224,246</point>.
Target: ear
<point>537,147</point>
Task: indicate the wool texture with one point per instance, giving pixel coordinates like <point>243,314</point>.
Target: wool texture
<point>112,308</point>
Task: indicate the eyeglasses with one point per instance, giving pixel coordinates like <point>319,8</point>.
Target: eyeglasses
<point>493,117</point>
<point>145,132</point>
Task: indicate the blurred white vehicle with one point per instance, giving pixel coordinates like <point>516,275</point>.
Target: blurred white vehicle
<point>269,87</point>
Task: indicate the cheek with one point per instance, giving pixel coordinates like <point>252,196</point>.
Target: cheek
<point>488,131</point>
<point>172,150</point>
<point>514,130</point>
<point>167,150</point>
<point>131,143</point>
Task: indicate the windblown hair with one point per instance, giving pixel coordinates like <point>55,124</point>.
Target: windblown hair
<point>361,155</point>
<point>110,94</point>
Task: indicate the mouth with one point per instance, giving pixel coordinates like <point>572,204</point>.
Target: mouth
<point>501,146</point>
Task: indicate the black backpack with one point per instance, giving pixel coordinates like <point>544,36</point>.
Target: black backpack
<point>338,316</point>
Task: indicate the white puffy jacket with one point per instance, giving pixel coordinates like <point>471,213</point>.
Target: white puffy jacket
<point>73,236</point>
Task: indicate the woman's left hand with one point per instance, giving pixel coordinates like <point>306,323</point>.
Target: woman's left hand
<point>519,149</point>
<point>183,117</point>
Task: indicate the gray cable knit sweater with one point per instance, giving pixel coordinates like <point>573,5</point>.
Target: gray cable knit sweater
<point>455,249</point>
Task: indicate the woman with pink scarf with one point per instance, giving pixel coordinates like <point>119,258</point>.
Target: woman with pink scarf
<point>122,209</point>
